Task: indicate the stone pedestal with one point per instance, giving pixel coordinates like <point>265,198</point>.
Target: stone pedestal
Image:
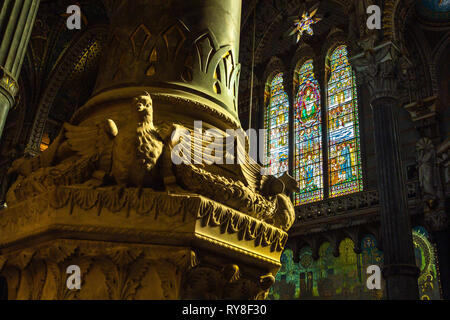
<point>135,244</point>
<point>106,195</point>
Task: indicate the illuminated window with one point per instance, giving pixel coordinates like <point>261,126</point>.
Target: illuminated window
<point>45,142</point>
<point>277,125</point>
<point>328,277</point>
<point>426,261</point>
<point>344,153</point>
<point>345,277</point>
<point>308,137</point>
<point>304,24</point>
<point>339,134</point>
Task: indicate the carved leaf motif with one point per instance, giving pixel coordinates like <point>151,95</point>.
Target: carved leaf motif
<point>36,274</point>
<point>204,47</point>
<point>3,261</point>
<point>123,255</point>
<point>57,253</point>
<point>23,258</point>
<point>111,273</point>
<point>136,272</point>
<point>174,39</point>
<point>139,39</point>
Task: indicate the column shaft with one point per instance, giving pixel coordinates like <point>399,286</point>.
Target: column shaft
<point>381,69</point>
<point>400,270</point>
<point>16,23</point>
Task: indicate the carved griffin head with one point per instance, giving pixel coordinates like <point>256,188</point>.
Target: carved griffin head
<point>144,106</point>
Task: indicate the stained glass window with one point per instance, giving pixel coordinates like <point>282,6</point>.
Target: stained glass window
<point>345,277</point>
<point>344,155</point>
<point>304,25</point>
<point>277,125</point>
<point>429,287</point>
<point>342,126</point>
<point>308,137</point>
<point>329,277</point>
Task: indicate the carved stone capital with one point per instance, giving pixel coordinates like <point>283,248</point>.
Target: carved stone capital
<point>8,85</point>
<point>136,245</point>
<point>382,68</point>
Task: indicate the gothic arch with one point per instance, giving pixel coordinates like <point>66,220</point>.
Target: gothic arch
<point>274,66</point>
<point>303,53</point>
<point>57,78</point>
<point>422,53</point>
<point>289,9</point>
<point>335,38</point>
<point>395,14</point>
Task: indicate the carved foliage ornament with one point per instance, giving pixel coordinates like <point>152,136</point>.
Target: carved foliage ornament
<point>178,55</point>
<point>135,153</point>
<point>382,68</point>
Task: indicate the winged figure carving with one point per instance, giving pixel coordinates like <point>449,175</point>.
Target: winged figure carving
<point>133,152</point>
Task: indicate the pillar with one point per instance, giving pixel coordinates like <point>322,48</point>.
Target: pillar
<point>105,196</point>
<point>188,50</point>
<point>16,24</point>
<point>380,69</point>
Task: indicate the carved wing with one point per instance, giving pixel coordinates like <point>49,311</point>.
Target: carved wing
<point>200,150</point>
<point>93,141</point>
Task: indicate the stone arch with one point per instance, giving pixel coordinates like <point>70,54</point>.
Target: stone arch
<point>274,67</point>
<point>57,78</point>
<point>439,55</point>
<point>301,55</point>
<point>424,58</point>
<point>395,13</point>
<point>334,39</point>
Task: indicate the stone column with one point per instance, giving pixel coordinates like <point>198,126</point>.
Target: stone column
<point>106,195</point>
<point>183,51</point>
<point>380,69</point>
<point>16,23</point>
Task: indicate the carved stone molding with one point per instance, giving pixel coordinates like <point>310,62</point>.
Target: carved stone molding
<point>109,209</point>
<point>8,84</point>
<point>422,109</point>
<point>382,69</point>
<point>115,271</point>
<point>347,214</point>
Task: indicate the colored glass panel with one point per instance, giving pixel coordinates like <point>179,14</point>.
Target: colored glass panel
<point>304,25</point>
<point>308,137</point>
<point>277,126</point>
<point>425,253</point>
<point>344,153</point>
<point>436,5</point>
<point>329,277</point>
<point>345,277</point>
